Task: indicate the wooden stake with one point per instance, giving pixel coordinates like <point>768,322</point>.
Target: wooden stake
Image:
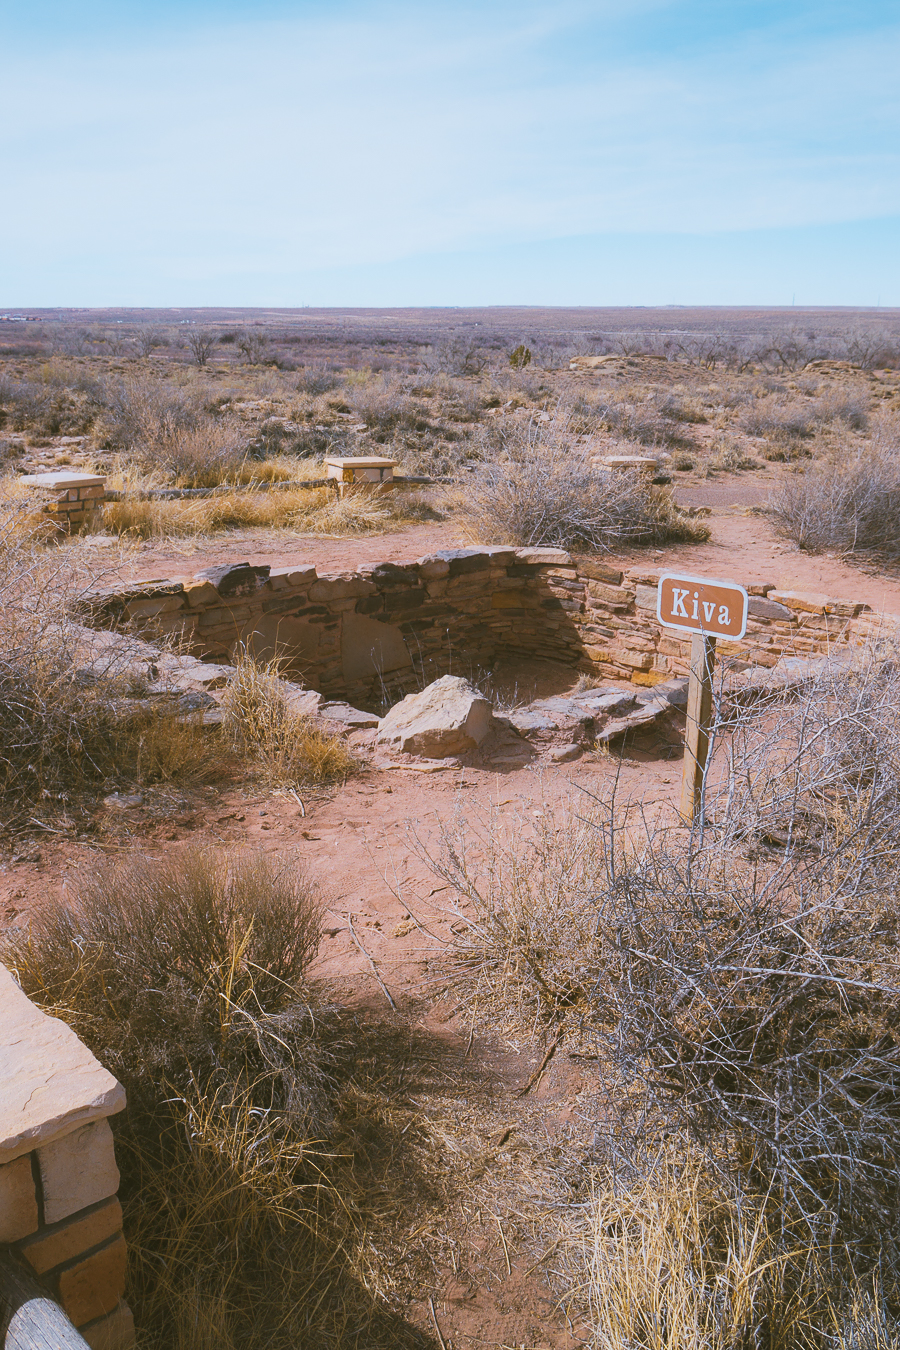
<point>699,716</point>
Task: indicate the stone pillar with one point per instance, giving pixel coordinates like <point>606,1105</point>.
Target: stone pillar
<point>58,1174</point>
<point>76,496</point>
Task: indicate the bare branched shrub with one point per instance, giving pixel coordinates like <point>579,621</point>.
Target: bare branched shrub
<point>546,491</point>
<point>206,455</point>
<point>836,406</point>
<point>253,344</point>
<point>728,457</point>
<point>738,982</point>
<point>317,379</point>
<point>200,345</point>
<point>846,505</point>
<point>455,354</point>
<point>61,402</point>
<point>163,428</point>
<point>784,425</point>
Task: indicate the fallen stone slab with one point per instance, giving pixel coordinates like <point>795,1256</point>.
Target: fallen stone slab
<point>789,674</point>
<point>301,701</point>
<point>562,710</point>
<point>528,722</point>
<point>449,717</point>
<point>675,692</point>
<point>641,718</point>
<point>606,703</point>
<point>563,754</point>
<point>354,719</point>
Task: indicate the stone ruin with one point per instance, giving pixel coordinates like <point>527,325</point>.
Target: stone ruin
<point>370,636</point>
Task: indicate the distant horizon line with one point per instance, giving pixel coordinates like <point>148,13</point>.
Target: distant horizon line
<point>20,312</point>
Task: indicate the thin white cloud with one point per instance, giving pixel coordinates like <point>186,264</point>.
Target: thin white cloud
<point>322,142</point>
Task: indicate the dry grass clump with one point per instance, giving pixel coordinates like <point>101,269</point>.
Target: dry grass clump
<point>849,504</point>
<point>307,510</point>
<point>738,985</point>
<point>727,457</point>
<point>786,426</point>
<point>281,1183</point>
<point>189,979</point>
<point>673,1252</point>
<point>286,748</point>
<point>545,491</point>
<point>646,418</point>
<point>63,728</point>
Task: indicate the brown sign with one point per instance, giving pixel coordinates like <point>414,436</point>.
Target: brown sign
<point>701,605</point>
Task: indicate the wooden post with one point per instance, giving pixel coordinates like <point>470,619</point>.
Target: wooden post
<point>699,716</point>
<point>29,1317</point>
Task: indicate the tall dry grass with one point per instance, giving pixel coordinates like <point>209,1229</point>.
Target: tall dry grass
<point>285,748</point>
<point>303,510</point>
<point>283,1183</point>
<point>676,1253</point>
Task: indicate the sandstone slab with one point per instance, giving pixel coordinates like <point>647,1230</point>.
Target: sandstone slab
<point>64,1242</point>
<point>49,1082</point>
<point>450,717</point>
<point>93,1286</point>
<point>18,1201</point>
<point>115,1332</point>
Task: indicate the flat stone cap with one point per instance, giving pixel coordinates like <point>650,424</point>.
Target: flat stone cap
<point>49,1082</point>
<point>360,462</point>
<point>627,461</point>
<point>63,480</point>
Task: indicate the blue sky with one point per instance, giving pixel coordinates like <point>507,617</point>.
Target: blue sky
<point>585,152</point>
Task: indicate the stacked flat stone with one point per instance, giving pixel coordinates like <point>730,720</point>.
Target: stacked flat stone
<point>58,1174</point>
<point>388,629</point>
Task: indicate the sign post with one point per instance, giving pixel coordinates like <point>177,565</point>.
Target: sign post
<point>707,610</point>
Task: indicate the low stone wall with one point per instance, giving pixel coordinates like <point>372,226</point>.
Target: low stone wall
<point>58,1174</point>
<point>387,629</point>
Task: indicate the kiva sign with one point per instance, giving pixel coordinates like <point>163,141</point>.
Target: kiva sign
<point>707,610</point>
<point>699,605</point>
